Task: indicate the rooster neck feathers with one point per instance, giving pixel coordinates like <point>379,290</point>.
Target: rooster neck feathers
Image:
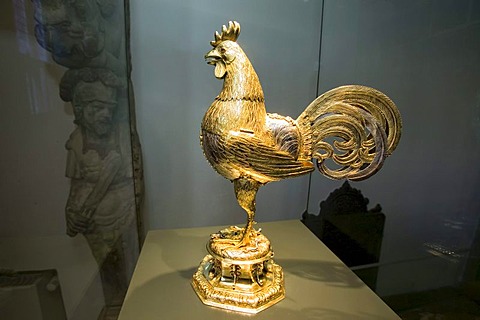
<point>232,65</point>
<point>241,81</point>
<point>240,104</point>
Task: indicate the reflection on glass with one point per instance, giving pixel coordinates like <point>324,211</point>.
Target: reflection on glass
<point>351,230</point>
<point>103,164</point>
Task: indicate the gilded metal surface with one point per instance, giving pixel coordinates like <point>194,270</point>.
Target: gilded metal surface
<point>352,127</point>
<point>244,279</point>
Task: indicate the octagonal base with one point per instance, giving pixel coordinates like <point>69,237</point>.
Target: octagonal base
<point>244,279</point>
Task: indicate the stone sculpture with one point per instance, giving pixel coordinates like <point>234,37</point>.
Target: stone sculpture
<point>104,155</point>
<point>81,33</point>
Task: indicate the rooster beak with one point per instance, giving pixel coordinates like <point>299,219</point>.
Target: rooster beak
<point>212,56</point>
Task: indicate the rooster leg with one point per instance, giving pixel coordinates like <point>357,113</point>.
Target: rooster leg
<point>246,191</point>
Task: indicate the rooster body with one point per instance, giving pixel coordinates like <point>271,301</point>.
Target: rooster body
<point>251,147</point>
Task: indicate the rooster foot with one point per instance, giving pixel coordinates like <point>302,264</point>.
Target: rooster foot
<point>235,238</point>
<point>227,243</point>
<point>244,242</point>
<point>228,236</point>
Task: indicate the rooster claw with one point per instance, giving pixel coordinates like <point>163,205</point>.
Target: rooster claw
<point>234,239</point>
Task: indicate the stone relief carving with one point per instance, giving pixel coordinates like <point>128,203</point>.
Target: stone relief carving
<point>81,33</point>
<point>101,204</point>
<point>104,155</point>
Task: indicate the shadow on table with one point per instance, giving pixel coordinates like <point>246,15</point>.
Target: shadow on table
<point>188,244</point>
<point>170,296</point>
<point>334,274</point>
<point>331,273</point>
<point>330,314</point>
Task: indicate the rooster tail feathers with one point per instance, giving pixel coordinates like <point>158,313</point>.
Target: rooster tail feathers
<point>350,131</point>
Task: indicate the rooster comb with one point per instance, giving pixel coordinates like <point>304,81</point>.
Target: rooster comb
<point>231,33</point>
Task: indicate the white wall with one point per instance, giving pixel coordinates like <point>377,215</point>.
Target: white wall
<point>426,56</point>
<point>174,87</point>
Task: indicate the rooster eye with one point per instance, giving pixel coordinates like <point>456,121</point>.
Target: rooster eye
<point>222,50</point>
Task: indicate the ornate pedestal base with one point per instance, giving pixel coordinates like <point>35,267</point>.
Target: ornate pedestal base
<point>244,279</point>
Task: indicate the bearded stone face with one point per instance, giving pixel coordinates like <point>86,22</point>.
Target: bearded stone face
<point>71,30</point>
<point>95,104</point>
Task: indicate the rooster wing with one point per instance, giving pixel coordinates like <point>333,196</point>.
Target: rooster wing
<point>243,154</point>
<point>258,158</point>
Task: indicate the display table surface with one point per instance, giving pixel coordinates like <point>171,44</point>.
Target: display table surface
<point>318,285</point>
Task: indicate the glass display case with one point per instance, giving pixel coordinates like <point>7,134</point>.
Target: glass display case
<point>78,196</point>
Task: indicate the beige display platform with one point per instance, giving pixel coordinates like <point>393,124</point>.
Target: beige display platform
<point>318,285</point>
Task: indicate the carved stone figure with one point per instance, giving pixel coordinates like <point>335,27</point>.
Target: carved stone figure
<point>104,153</point>
<point>81,33</point>
<point>101,204</point>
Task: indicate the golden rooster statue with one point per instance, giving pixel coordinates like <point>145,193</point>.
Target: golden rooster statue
<point>251,147</point>
<point>354,127</point>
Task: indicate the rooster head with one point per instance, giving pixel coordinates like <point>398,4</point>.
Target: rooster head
<point>225,49</point>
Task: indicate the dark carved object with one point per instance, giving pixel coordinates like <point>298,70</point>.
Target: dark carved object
<point>349,229</point>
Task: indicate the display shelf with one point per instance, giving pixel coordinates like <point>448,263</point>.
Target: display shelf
<point>318,284</point>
